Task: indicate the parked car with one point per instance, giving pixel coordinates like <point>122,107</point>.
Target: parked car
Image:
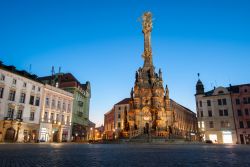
<point>209,141</point>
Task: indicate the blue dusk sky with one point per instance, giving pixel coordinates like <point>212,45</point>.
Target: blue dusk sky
<point>101,41</point>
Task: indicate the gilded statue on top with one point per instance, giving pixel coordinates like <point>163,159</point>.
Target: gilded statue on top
<point>147,22</point>
<point>147,28</point>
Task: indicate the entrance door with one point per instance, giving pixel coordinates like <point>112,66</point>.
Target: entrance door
<point>213,138</point>
<point>146,128</point>
<point>10,135</point>
<point>227,138</point>
<point>55,136</point>
<point>65,136</point>
<point>242,139</point>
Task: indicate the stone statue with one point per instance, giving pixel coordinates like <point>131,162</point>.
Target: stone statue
<point>147,22</point>
<point>167,91</point>
<point>147,28</point>
<point>160,74</point>
<point>132,93</point>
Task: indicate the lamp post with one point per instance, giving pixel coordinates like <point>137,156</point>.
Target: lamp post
<point>114,135</point>
<point>91,133</point>
<point>95,134</point>
<point>149,131</point>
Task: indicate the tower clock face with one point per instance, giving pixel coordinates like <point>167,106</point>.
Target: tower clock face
<point>146,114</point>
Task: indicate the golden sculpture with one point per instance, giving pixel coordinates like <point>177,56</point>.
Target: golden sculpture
<point>147,26</point>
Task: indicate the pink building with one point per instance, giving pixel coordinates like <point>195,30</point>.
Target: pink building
<point>240,96</point>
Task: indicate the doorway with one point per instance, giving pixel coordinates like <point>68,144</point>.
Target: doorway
<point>55,136</point>
<point>146,128</point>
<point>227,138</point>
<point>242,139</point>
<point>10,135</point>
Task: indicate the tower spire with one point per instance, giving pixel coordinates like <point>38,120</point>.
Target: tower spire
<point>147,29</point>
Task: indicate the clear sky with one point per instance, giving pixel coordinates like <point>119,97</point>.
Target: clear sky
<point>101,41</point>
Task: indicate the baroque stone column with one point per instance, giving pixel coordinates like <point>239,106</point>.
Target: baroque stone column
<point>147,29</point>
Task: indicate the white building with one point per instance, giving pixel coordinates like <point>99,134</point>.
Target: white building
<point>121,113</point>
<point>56,115</point>
<point>20,102</point>
<point>215,115</point>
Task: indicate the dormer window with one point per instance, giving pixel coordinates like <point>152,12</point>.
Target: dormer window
<point>221,92</point>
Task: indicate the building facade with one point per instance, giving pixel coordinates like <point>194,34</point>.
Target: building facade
<point>20,102</point>
<point>121,114</point>
<point>99,131</point>
<point>81,94</point>
<point>215,115</point>
<point>185,122</point>
<point>240,95</point>
<point>109,125</point>
<point>91,131</point>
<point>56,114</point>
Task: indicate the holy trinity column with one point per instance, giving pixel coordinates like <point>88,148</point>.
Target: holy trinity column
<point>150,103</point>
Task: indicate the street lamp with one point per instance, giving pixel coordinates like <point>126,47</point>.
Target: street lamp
<point>91,133</point>
<point>114,135</point>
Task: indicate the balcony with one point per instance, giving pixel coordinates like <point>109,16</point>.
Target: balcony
<point>79,114</point>
<point>80,103</point>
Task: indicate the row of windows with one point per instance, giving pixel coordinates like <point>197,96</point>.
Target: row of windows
<point>241,123</point>
<point>245,100</point>
<point>223,124</point>
<point>125,108</point>
<point>210,113</point>
<point>224,113</point>
<point>240,113</point>
<point>59,105</point>
<point>14,82</point>
<point>220,102</point>
<point>57,118</point>
<point>12,97</point>
<point>19,115</point>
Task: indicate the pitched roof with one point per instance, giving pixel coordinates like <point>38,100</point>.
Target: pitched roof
<point>236,88</point>
<point>172,101</point>
<point>22,73</point>
<point>231,88</point>
<point>110,111</point>
<point>64,77</point>
<point>124,101</point>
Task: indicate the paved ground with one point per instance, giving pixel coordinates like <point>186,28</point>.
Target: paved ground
<point>38,155</point>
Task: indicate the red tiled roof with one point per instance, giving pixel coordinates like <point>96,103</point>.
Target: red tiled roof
<point>124,101</point>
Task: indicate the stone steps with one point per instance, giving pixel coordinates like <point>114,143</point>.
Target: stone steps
<point>145,138</point>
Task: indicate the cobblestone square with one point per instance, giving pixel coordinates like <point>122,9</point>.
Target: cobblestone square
<point>41,155</point>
